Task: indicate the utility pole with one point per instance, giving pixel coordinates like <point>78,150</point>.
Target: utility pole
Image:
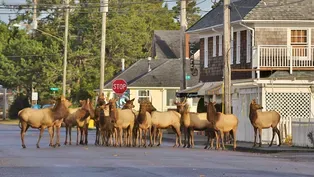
<point>34,14</point>
<point>227,69</point>
<point>65,47</point>
<point>183,24</point>
<point>103,10</point>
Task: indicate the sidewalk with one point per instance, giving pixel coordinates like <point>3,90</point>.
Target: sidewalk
<point>200,140</point>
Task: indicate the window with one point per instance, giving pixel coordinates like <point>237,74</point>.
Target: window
<point>299,41</point>
<point>238,47</point>
<point>143,94</point>
<point>220,45</point>
<point>248,46</point>
<point>206,52</point>
<point>214,46</point>
<point>171,97</point>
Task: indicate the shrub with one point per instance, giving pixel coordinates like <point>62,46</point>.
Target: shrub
<point>20,102</point>
<point>311,137</point>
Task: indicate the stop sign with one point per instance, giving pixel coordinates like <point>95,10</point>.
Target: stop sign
<point>119,86</point>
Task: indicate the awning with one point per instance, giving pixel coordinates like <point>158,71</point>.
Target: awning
<point>191,91</point>
<point>211,88</point>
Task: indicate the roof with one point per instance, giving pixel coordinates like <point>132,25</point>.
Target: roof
<point>164,73</point>
<point>258,10</point>
<point>298,75</point>
<point>166,43</point>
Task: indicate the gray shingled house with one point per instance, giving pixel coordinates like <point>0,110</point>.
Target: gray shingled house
<point>156,79</point>
<point>271,61</point>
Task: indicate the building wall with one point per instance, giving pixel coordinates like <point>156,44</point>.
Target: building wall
<point>271,36</point>
<point>215,69</point>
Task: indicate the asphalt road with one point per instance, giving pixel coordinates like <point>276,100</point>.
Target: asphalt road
<point>90,161</point>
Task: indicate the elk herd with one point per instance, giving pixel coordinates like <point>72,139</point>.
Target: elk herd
<point>128,127</point>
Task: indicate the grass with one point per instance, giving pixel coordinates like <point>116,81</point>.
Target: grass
<point>8,121</point>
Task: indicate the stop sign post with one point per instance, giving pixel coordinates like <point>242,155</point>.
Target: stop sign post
<point>119,86</point>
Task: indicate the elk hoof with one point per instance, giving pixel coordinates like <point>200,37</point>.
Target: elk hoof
<point>205,147</point>
<point>188,146</point>
<point>270,145</point>
<point>234,149</point>
<point>254,145</point>
<point>65,143</point>
<point>279,145</point>
<point>260,145</point>
<point>184,146</point>
<point>174,145</point>
<point>158,144</point>
<point>37,145</point>
<point>23,146</point>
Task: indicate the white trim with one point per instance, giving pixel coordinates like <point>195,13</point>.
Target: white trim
<point>214,46</point>
<point>220,45</point>
<point>238,49</point>
<point>248,46</point>
<point>217,34</point>
<point>281,21</point>
<point>206,52</point>
<point>231,46</point>
<point>215,26</point>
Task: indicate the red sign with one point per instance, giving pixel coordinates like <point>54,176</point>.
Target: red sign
<point>119,86</point>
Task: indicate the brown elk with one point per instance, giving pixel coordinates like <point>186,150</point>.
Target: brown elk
<point>44,118</point>
<point>144,122</point>
<point>100,101</point>
<point>222,123</point>
<point>79,117</point>
<point>193,121</point>
<point>262,120</point>
<point>163,120</point>
<point>124,119</point>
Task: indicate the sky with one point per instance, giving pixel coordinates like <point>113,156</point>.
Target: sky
<point>205,6</point>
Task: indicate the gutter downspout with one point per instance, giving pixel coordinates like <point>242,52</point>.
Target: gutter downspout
<point>253,46</point>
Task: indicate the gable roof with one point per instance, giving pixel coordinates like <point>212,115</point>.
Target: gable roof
<point>166,43</point>
<point>164,73</point>
<point>258,10</point>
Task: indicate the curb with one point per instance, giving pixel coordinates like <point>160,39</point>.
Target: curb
<point>251,149</point>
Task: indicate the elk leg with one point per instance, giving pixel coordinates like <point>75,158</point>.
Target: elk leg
<point>255,133</point>
<point>24,127</point>
<point>58,136</point>
<point>160,137</point>
<point>150,136</point>
<point>40,135</point>
<point>70,135</point>
<point>222,139</point>
<point>274,133</point>
<point>234,134</point>
<point>66,135</point>
<point>185,134</point>
<point>260,137</point>
<point>192,137</point>
<point>140,136</point>
<point>145,137</point>
<point>278,133</point>
<point>86,134</point>
<point>50,131</point>
<point>77,135</point>
<point>217,140</point>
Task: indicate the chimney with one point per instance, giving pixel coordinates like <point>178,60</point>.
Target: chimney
<point>122,62</point>
<point>149,59</point>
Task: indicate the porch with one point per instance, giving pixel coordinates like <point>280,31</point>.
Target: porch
<point>283,57</point>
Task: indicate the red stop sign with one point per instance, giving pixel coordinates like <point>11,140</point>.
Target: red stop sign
<point>119,86</point>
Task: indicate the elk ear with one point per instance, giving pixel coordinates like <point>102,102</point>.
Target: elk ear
<point>253,101</point>
<point>132,99</point>
<point>214,102</point>
<point>175,102</point>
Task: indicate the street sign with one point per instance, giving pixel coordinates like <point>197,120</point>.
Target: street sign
<point>54,88</point>
<point>119,86</point>
<point>35,96</point>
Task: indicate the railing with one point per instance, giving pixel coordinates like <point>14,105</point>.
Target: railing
<point>285,56</point>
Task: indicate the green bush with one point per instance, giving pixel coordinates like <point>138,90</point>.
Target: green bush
<point>20,102</point>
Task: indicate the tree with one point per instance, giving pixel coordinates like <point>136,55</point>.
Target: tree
<point>192,12</point>
<point>216,3</point>
<point>38,61</point>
